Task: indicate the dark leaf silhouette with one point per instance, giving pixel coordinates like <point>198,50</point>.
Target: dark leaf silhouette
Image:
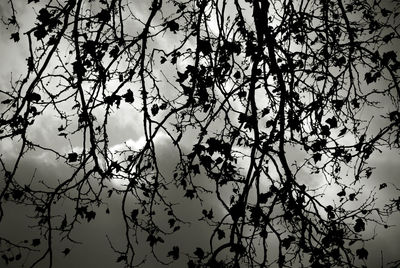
<point>359,226</point>
<point>134,214</point>
<point>174,253</point>
<point>36,242</point>
<point>33,97</point>
<point>199,253</point>
<point>221,234</point>
<point>362,253</point>
<point>342,193</point>
<point>104,15</point>
<point>204,46</point>
<point>154,109</point>
<point>287,241</point>
<point>121,258</point>
<point>66,251</point>
<point>317,157</point>
<point>173,26</point>
<point>15,37</point>
<point>72,157</point>
<point>263,197</point>
<point>64,223</point>
<point>128,96</point>
<point>190,194</point>
<point>90,215</point>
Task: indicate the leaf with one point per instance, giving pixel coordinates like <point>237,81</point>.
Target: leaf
<point>40,32</point>
<point>15,36</point>
<point>385,12</point>
<point>237,75</point>
<point>325,130</point>
<point>66,251</point>
<point>174,253</point>
<point>17,194</point>
<point>341,193</point>
<point>359,226</point>
<point>171,222</point>
<point>204,46</point>
<point>394,116</point>
<point>104,15</point>
<point>36,242</point>
<point>182,77</point>
<point>154,109</point>
<point>78,68</point>
<point>128,96</point>
<point>72,157</point>
<point>332,122</point>
<point>387,56</point>
<point>208,214</point>
<point>317,157</point>
<point>173,26</point>
<point>191,264</point>
<point>190,194</point>
<point>237,210</point>
<point>195,168</point>
<point>362,253</point>
<point>387,38</point>
<point>221,234</point>
<point>263,197</point>
<point>152,240</point>
<point>134,214</point>
<point>64,222</point>
<point>33,97</point>
<point>199,253</point>
<point>90,215</point>
<point>114,52</point>
<point>287,241</point>
<point>121,258</point>
<point>242,94</point>
<point>163,106</point>
<point>382,186</point>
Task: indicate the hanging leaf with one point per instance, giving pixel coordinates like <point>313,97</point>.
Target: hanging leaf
<point>66,251</point>
<point>362,253</point>
<point>199,253</point>
<point>128,96</point>
<point>72,157</point>
<point>174,253</point>
<point>36,242</point>
<point>173,26</point>
<point>359,226</point>
<point>121,258</point>
<point>154,109</point>
<point>15,36</point>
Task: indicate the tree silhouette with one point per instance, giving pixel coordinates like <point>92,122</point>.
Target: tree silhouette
<point>271,110</point>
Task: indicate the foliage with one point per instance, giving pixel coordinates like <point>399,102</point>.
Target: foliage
<point>259,99</point>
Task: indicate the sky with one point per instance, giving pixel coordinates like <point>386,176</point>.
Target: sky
<point>94,250</point>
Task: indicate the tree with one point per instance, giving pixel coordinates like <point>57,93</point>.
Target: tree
<point>272,110</point>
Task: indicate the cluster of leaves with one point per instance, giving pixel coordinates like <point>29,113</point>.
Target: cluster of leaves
<point>267,90</point>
